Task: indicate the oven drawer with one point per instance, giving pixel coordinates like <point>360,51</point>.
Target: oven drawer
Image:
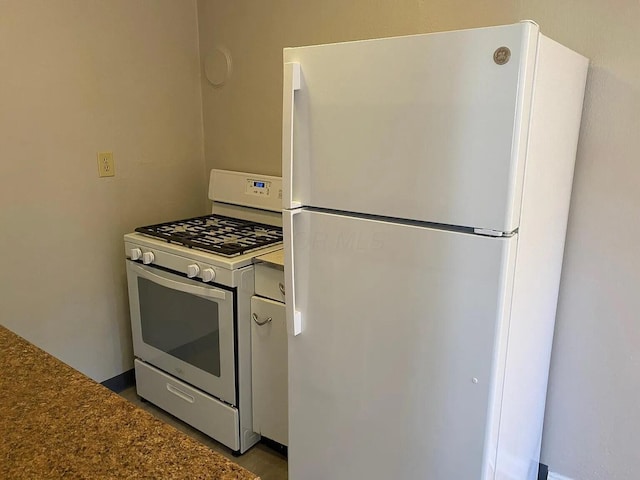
<point>189,404</point>
<point>270,281</point>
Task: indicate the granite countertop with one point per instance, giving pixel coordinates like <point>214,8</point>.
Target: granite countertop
<point>57,423</point>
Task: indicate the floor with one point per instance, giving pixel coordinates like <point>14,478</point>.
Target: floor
<point>260,459</point>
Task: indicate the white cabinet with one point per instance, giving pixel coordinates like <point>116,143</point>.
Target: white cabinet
<point>269,354</point>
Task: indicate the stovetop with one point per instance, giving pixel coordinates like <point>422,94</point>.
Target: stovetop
<point>216,234</point>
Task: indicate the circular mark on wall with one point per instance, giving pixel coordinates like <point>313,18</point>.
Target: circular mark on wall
<point>217,66</point>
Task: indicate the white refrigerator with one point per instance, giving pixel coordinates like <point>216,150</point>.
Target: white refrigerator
<point>426,191</point>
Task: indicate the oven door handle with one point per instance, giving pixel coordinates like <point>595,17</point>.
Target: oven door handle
<point>206,292</point>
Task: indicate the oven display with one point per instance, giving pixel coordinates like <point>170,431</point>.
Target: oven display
<point>257,187</point>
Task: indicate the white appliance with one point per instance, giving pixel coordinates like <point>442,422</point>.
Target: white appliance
<point>426,186</point>
<point>190,286</point>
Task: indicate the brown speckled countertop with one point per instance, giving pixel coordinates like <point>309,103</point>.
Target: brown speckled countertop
<point>57,423</point>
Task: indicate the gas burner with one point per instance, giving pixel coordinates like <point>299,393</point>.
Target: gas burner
<point>181,230</point>
<point>216,233</point>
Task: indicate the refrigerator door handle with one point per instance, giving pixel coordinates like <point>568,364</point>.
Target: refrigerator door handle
<point>293,316</point>
<point>291,83</point>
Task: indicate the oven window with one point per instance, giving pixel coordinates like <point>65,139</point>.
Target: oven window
<point>182,325</point>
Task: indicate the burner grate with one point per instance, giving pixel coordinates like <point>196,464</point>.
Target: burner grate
<point>217,234</point>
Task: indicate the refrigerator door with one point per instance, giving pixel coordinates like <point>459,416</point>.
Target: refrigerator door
<point>426,127</point>
<point>393,374</point>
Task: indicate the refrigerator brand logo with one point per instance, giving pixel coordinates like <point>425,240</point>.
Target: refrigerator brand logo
<point>501,55</point>
<point>351,241</point>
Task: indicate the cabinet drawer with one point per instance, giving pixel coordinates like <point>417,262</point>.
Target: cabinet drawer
<point>270,281</point>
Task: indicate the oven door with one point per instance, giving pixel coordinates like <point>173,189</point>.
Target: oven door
<point>184,327</point>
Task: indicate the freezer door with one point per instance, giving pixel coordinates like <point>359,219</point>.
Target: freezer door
<point>395,370</point>
<point>426,127</point>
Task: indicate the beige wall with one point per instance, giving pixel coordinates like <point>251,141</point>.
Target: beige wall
<point>80,77</point>
<point>592,427</point>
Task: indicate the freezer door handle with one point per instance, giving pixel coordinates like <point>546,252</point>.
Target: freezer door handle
<point>293,316</point>
<point>291,83</point>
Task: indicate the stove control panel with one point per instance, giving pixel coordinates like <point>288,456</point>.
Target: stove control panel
<point>193,268</point>
<point>247,189</point>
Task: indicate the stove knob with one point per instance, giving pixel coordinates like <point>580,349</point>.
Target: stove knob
<point>193,270</point>
<point>208,274</point>
<point>136,254</point>
<point>148,257</point>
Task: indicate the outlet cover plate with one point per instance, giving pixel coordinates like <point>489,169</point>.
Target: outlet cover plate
<point>106,167</point>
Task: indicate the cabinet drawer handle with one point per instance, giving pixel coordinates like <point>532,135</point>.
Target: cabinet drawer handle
<point>258,322</point>
<point>281,287</point>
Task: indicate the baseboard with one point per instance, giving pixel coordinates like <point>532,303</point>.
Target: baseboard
<point>121,382</point>
<point>557,476</point>
<point>543,472</point>
<point>273,445</point>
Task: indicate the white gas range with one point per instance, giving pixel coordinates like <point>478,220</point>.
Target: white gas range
<point>190,287</point>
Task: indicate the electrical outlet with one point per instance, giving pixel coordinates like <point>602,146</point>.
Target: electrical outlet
<point>106,167</point>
